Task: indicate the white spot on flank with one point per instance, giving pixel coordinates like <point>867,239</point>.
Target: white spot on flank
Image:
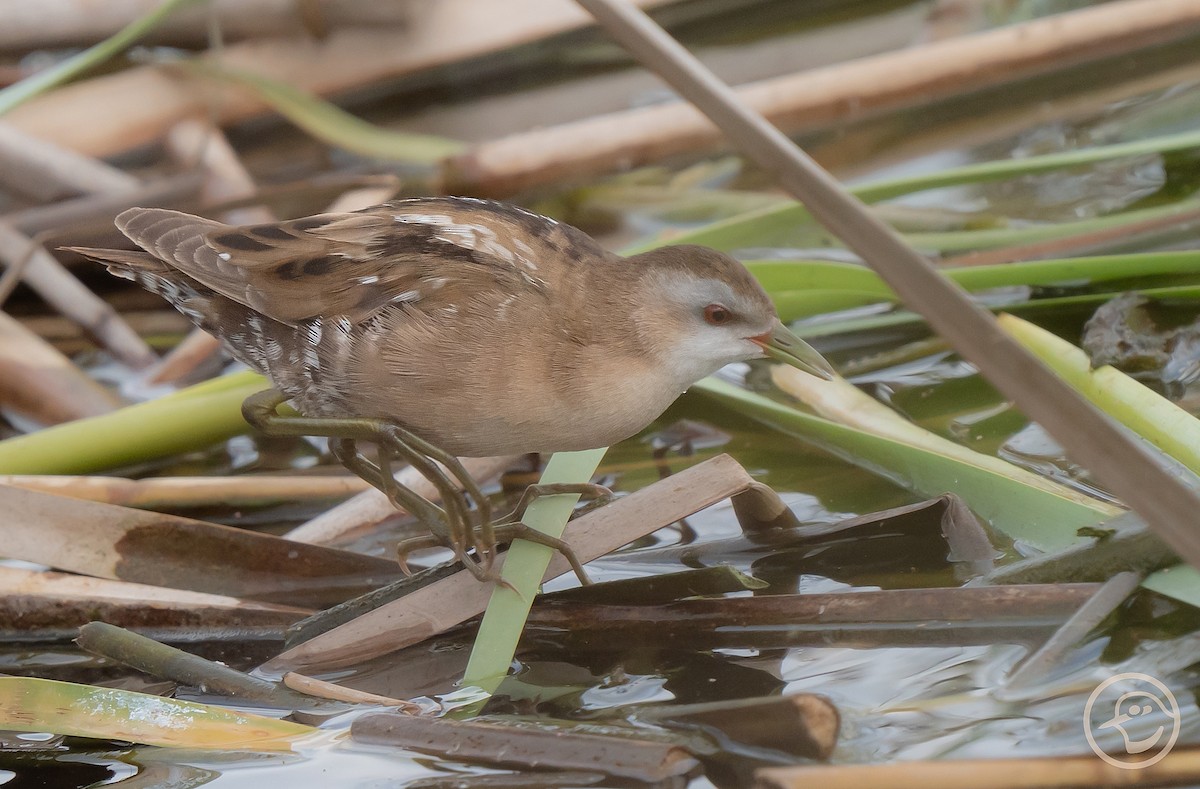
<point>314,332</point>
<point>437,282</point>
<point>408,295</point>
<point>224,256</point>
<point>371,280</point>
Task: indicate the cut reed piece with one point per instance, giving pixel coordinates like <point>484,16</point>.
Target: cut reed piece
<point>158,493</point>
<point>138,106</point>
<point>451,600</point>
<point>799,726</point>
<point>40,384</point>
<point>319,688</point>
<point>370,508</point>
<point>144,547</point>
<point>510,745</point>
<point>1179,768</point>
<point>825,97</point>
<point>166,662</point>
<point>66,294</point>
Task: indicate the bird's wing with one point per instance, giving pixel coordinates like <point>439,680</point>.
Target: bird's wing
<point>353,264</point>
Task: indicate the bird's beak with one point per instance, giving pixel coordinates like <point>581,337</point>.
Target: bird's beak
<point>781,345</point>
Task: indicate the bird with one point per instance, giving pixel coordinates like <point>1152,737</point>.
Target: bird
<point>444,327</point>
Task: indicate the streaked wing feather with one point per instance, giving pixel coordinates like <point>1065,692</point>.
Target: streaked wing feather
<point>353,264</point>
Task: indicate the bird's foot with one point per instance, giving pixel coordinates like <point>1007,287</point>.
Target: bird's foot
<point>511,527</point>
<point>461,497</point>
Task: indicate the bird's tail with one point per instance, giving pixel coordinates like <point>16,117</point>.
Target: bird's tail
<point>184,293</point>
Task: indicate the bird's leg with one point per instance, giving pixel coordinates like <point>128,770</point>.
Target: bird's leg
<point>457,522</point>
<point>346,451</point>
<point>513,528</point>
<point>452,524</point>
<point>484,538</point>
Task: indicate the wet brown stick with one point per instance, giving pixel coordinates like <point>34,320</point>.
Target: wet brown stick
<point>1106,600</point>
<point>990,604</point>
<point>493,743</point>
<point>800,725</point>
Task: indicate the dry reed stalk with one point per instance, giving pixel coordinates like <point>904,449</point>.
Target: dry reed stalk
<point>124,544</point>
<point>45,171</point>
<point>319,688</point>
<point>66,23</point>
<point>1180,767</point>
<point>157,493</point>
<point>39,383</point>
<point>66,294</point>
<point>138,106</point>
<point>823,97</point>
<point>59,331</point>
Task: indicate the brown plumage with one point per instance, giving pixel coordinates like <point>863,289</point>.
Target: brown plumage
<point>481,327</point>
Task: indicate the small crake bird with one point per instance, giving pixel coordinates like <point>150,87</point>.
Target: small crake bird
<point>443,327</point>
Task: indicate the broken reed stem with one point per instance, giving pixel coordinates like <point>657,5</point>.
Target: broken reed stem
<point>175,665</point>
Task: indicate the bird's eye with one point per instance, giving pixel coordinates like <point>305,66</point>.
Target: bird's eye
<point>717,315</point>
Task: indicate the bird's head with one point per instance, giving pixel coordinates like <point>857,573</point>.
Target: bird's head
<point>710,311</point>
